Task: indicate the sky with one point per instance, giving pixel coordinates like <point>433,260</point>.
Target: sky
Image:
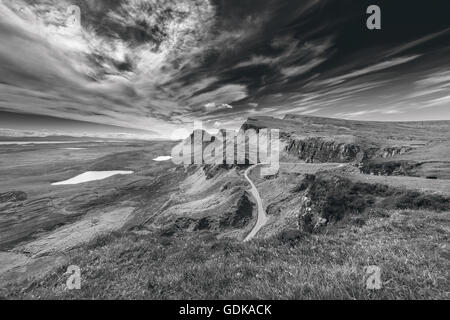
<point>160,65</point>
<point>13,125</point>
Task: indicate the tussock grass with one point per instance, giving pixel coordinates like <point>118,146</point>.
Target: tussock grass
<point>337,197</point>
<point>408,246</point>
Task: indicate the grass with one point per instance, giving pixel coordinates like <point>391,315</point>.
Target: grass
<point>336,197</point>
<point>408,246</point>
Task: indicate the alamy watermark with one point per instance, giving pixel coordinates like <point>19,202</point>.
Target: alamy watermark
<point>231,147</point>
<point>74,280</point>
<point>373,281</point>
<point>73,16</point>
<point>374,20</point>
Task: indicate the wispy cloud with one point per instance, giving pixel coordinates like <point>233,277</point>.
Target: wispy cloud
<point>370,69</point>
<point>160,64</point>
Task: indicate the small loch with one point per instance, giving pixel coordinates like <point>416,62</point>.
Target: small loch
<point>91,176</point>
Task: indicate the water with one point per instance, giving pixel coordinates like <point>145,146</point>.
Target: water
<point>90,176</point>
<point>162,158</point>
<point>36,142</point>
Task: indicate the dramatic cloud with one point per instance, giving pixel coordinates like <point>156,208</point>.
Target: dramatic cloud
<point>161,64</point>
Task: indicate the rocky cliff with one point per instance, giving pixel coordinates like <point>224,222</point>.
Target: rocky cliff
<point>325,149</point>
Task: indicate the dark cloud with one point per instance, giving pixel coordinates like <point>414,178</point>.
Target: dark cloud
<point>158,64</point>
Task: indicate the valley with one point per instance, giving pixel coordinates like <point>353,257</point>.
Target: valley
<point>308,231</point>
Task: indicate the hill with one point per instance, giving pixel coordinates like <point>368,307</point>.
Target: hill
<point>333,208</point>
<point>419,149</point>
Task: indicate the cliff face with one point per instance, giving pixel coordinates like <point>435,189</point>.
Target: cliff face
<point>319,149</point>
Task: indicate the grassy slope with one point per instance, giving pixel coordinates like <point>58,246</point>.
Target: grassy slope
<point>387,132</point>
<point>408,246</point>
<point>431,160</point>
<point>429,140</point>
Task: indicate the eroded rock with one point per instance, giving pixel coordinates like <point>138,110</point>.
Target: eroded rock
<point>13,196</point>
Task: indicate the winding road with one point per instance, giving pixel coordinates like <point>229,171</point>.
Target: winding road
<point>262,218</point>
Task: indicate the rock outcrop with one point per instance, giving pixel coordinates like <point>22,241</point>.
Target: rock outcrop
<point>390,168</point>
<point>239,215</point>
<point>13,196</point>
<point>327,199</point>
<point>389,152</point>
<point>318,149</point>
<point>322,149</point>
